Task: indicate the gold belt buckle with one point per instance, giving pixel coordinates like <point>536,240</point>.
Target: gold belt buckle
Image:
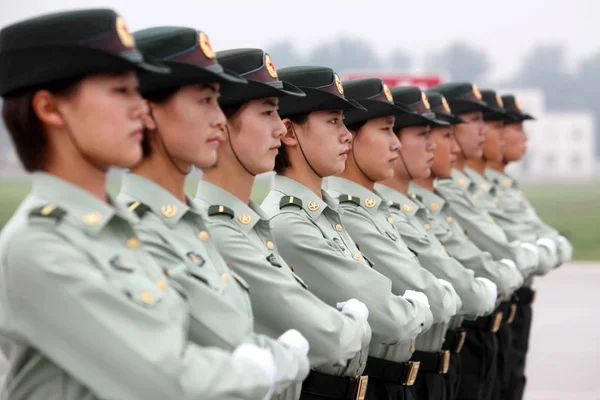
<point>533,297</point>
<point>497,322</point>
<point>513,313</point>
<point>361,388</point>
<point>412,373</point>
<point>445,365</point>
<point>461,341</point>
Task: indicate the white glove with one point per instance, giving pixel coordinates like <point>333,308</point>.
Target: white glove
<point>549,244</point>
<point>518,277</point>
<point>456,298</point>
<point>262,357</point>
<point>509,263</point>
<point>354,307</point>
<point>492,291</point>
<point>294,339</point>
<point>569,247</point>
<point>418,297</point>
<point>532,248</point>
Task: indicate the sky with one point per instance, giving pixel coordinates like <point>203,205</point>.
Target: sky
<point>506,29</point>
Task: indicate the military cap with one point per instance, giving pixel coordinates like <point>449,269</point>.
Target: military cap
<point>67,45</point>
<point>494,100</point>
<point>257,67</point>
<point>441,108</point>
<point>323,88</point>
<point>463,97</point>
<point>187,52</point>
<point>514,109</point>
<point>375,96</point>
<point>415,99</point>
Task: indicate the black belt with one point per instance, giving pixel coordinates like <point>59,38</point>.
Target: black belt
<point>433,361</point>
<point>401,373</point>
<point>525,296</point>
<point>455,339</point>
<point>335,387</point>
<point>490,323</point>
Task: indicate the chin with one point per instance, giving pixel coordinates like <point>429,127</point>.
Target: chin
<point>130,161</point>
<point>206,162</point>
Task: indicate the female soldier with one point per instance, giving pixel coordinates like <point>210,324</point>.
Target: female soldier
<point>185,128</point>
<point>85,312</point>
<point>311,234</point>
<point>241,230</point>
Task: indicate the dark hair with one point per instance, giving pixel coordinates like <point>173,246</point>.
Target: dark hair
<point>158,97</point>
<point>356,126</point>
<point>281,160</point>
<point>25,128</point>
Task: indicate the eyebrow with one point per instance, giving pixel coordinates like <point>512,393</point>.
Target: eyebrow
<point>271,102</point>
<point>389,119</point>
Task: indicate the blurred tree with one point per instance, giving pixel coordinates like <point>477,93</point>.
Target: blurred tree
<point>284,54</point>
<point>345,54</point>
<point>588,88</point>
<point>400,60</point>
<point>461,61</point>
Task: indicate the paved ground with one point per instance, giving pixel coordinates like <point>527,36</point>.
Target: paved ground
<point>564,358</point>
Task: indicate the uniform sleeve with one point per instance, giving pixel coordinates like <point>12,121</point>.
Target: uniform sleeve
<point>404,271</point>
<point>280,299</point>
<point>68,310</point>
<point>334,278</point>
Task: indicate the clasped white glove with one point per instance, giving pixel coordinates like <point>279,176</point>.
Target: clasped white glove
<point>568,247</point>
<point>549,244</point>
<point>518,277</point>
<point>533,249</point>
<point>294,339</point>
<point>492,290</point>
<point>261,357</point>
<point>455,297</point>
<point>419,297</point>
<point>354,307</point>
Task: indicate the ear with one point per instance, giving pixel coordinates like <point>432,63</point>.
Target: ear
<point>45,106</point>
<point>148,118</point>
<point>289,139</point>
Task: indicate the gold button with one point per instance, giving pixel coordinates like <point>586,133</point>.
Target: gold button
<point>414,195</point>
<point>390,220</point>
<point>356,256</point>
<point>169,210</point>
<point>92,218</point>
<point>146,297</point>
<point>313,206</point>
<point>484,186</point>
<point>270,245</point>
<point>215,286</point>
<point>427,227</point>
<point>520,193</point>
<point>461,181</point>
<point>505,183</point>
<point>413,349</point>
<point>245,219</point>
<point>407,207</point>
<point>474,197</point>
<point>133,243</point>
<point>434,206</point>
<point>449,219</point>
<point>496,200</point>
<point>47,210</point>
<point>161,284</point>
<point>203,235</point>
<point>338,227</point>
<point>492,220</point>
<point>226,277</point>
<point>370,202</point>
<point>444,252</point>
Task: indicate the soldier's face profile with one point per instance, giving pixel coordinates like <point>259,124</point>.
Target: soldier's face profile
<point>445,153</point>
<point>190,123</point>
<point>515,142</point>
<point>255,133</point>
<point>376,147</point>
<point>493,148</point>
<point>103,114</point>
<point>471,136</point>
<point>417,151</point>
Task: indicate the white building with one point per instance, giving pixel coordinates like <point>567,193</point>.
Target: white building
<point>561,145</point>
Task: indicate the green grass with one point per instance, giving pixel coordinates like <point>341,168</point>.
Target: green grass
<point>570,208</point>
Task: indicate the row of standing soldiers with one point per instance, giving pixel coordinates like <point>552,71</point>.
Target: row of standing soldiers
<point>393,257</point>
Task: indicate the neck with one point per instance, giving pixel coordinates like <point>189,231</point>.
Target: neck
<point>354,175</point>
<point>460,163</point>
<point>160,170</point>
<point>426,183</point>
<point>498,166</point>
<point>477,165</point>
<point>308,179</point>
<point>232,177</point>
<point>398,183</point>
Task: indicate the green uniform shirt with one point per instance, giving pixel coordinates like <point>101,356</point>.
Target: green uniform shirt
<point>310,236</point>
<point>516,205</point>
<point>86,313</point>
<point>481,226</point>
<point>410,221</point>
<point>174,233</point>
<point>280,299</point>
<point>452,236</point>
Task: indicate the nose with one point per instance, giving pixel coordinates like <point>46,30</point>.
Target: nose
<point>279,129</point>
<point>395,145</point>
<point>141,109</point>
<point>430,145</point>
<point>346,136</point>
<point>219,121</point>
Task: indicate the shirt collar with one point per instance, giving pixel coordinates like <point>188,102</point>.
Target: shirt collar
<point>434,203</point>
<point>312,204</point>
<point>498,177</point>
<point>369,200</point>
<point>244,215</point>
<point>397,200</point>
<point>160,201</point>
<point>81,205</point>
<point>460,179</point>
<point>479,180</point>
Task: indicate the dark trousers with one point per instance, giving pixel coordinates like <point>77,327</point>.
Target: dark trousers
<point>478,365</point>
<point>520,330</point>
<point>431,386</point>
<point>382,390</point>
<point>452,378</point>
<point>502,385</point>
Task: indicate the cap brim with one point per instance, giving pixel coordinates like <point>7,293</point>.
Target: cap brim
<point>374,109</point>
<point>315,100</point>
<point>451,119</point>
<point>238,94</point>
<point>462,106</point>
<point>416,119</point>
<point>143,64</point>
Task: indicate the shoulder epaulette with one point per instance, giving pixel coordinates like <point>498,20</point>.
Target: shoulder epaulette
<point>220,210</point>
<point>48,211</point>
<point>394,205</point>
<point>346,198</point>
<point>138,208</point>
<point>290,201</point>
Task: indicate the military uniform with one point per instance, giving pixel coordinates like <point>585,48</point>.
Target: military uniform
<point>85,312</point>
